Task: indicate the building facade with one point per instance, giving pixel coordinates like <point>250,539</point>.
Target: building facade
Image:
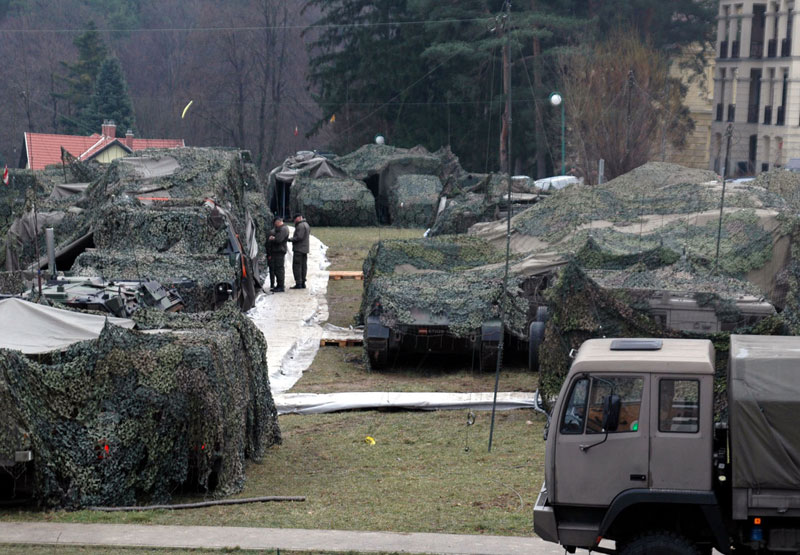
<point>700,102</point>
<point>756,86</point>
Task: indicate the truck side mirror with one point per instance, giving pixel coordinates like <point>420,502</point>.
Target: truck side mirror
<point>611,408</point>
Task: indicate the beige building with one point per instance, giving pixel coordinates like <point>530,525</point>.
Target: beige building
<point>756,86</point>
<point>700,102</point>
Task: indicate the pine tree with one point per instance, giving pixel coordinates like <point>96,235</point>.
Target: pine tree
<point>80,82</point>
<point>111,99</point>
<point>430,71</point>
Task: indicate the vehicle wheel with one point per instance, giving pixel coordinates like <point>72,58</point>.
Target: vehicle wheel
<point>488,356</point>
<point>542,314</point>
<point>535,338</point>
<point>659,543</point>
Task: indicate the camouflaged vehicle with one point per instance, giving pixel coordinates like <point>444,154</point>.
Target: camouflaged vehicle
<point>639,252</point>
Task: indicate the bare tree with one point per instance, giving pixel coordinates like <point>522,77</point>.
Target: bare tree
<point>621,105</point>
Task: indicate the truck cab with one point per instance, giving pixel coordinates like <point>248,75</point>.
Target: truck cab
<point>629,448</point>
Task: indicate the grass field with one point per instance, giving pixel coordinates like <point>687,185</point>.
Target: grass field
<point>427,472</point>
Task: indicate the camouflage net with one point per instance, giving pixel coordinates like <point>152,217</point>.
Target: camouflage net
<point>459,214</point>
<point>459,277</point>
<point>130,416</point>
<point>332,201</point>
<point>374,159</point>
<point>206,271</point>
<point>781,182</point>
<point>413,200</point>
<point>14,283</point>
<point>581,310</point>
<point>655,188</point>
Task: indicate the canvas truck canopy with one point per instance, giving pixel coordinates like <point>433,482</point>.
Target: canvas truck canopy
<point>764,405</point>
<point>34,328</point>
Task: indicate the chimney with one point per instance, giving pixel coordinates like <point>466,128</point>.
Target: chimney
<point>129,139</point>
<point>109,129</point>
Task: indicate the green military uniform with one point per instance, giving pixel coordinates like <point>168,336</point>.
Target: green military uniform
<point>300,245</point>
<point>278,253</point>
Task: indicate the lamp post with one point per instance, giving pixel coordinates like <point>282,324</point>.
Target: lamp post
<point>557,100</point>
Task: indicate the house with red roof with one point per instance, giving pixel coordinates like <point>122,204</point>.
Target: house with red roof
<point>44,149</point>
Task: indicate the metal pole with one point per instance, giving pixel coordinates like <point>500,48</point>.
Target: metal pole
<point>563,140</point>
<point>507,26</point>
<point>728,134</point>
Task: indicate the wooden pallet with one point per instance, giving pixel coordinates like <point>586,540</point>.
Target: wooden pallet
<point>341,342</point>
<point>336,275</point>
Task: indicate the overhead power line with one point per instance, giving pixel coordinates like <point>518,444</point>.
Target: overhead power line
<point>251,27</point>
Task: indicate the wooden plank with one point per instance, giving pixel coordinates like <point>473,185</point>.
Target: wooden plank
<point>336,275</point>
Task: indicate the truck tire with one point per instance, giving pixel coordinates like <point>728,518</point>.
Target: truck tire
<point>535,338</point>
<point>659,543</point>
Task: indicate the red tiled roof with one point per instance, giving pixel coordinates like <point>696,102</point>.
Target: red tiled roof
<point>44,149</point>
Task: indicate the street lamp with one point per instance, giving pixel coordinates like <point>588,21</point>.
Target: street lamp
<point>557,100</point>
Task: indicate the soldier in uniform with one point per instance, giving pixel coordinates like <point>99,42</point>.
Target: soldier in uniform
<point>300,242</point>
<point>276,249</point>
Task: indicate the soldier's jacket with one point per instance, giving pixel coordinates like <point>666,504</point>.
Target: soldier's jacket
<point>302,232</point>
<point>278,245</point>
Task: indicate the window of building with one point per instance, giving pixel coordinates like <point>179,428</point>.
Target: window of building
<point>679,406</point>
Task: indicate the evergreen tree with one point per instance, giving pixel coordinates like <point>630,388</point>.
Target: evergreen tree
<point>430,72</point>
<point>80,82</point>
<point>111,99</point>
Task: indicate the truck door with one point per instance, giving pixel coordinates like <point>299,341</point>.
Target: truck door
<point>592,466</point>
<point>681,432</point>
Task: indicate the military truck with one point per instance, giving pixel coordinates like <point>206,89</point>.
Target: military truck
<point>633,453</point>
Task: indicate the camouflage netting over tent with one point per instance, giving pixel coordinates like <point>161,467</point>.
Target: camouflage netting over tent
<point>372,159</point>
<point>459,277</point>
<point>662,206</point>
<point>334,201</point>
<point>155,202</point>
<point>413,200</point>
<point>380,167</point>
<point>131,416</point>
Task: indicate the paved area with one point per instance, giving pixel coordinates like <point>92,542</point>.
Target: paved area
<point>218,537</point>
<point>291,321</point>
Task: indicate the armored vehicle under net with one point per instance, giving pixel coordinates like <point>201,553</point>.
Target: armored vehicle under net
<point>639,251</point>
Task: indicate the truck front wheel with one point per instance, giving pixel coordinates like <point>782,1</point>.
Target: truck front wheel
<point>659,543</point>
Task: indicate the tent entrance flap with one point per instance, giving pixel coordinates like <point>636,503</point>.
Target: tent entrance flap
<point>280,203</point>
<point>373,183</point>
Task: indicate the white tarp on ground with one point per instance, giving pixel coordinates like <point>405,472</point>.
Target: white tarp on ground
<point>33,328</point>
<point>317,403</point>
<point>291,321</point>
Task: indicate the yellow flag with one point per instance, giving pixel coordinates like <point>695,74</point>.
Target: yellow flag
<point>183,115</point>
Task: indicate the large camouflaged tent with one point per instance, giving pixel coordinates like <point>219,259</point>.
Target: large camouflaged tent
<point>184,400</point>
<point>130,416</point>
<point>160,215</point>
